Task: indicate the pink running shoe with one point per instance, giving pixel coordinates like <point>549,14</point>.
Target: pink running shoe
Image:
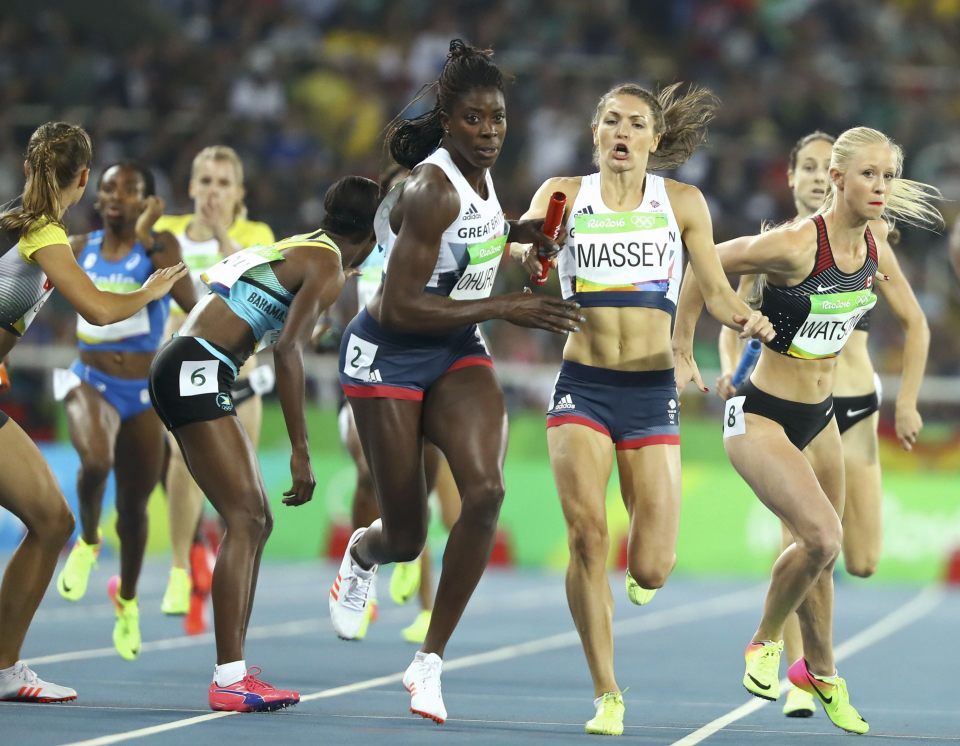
<point>250,695</point>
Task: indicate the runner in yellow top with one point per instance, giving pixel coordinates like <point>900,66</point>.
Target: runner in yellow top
<point>35,257</point>
<point>217,227</point>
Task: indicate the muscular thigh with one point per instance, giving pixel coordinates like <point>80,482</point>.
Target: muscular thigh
<point>139,452</point>
<point>581,459</point>
<point>825,455</point>
<point>465,416</point>
<point>92,422</point>
<point>650,486</point>
<point>28,488</point>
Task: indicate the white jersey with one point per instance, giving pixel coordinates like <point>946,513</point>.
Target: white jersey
<point>471,247</point>
<point>622,259</point>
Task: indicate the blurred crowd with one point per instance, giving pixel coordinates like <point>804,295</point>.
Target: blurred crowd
<point>303,89</point>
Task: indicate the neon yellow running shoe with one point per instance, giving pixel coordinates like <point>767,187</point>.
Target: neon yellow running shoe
<point>176,599</point>
<point>762,677</point>
<point>126,630</point>
<point>609,718</point>
<point>405,581</point>
<point>832,693</point>
<point>417,632</point>
<point>369,615</point>
<point>637,593</point>
<point>73,578</point>
<point>799,704</point>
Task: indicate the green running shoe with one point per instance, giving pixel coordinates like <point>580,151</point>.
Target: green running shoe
<point>126,630</point>
<point>405,581</point>
<point>417,632</point>
<point>762,677</point>
<point>609,718</point>
<point>73,578</point>
<point>176,599</point>
<point>832,693</point>
<point>638,594</point>
<point>799,704</point>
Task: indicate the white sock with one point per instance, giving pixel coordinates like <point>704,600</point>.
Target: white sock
<point>7,673</point>
<point>229,673</point>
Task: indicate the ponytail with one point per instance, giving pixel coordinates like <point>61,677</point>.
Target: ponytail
<point>56,153</point>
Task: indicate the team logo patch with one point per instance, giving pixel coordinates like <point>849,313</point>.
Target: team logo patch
<point>225,402</point>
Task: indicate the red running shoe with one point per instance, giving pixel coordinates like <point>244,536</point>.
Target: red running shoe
<point>250,695</point>
<point>201,568</point>
<point>195,622</point>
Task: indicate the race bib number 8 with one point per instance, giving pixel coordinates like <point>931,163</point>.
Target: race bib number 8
<point>198,377</point>
<point>734,422</point>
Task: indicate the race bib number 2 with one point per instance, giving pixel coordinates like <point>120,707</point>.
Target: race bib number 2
<point>359,358</point>
<point>198,377</point>
<point>734,422</point>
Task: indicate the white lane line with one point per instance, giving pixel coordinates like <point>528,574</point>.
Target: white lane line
<point>918,607</point>
<point>517,600</point>
<point>692,612</point>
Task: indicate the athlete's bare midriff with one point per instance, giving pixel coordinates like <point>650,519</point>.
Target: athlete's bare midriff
<point>631,339</point>
<point>854,368</point>
<point>794,379</point>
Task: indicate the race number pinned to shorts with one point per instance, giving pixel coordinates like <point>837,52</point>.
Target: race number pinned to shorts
<point>359,358</point>
<point>199,377</point>
<point>734,422</point>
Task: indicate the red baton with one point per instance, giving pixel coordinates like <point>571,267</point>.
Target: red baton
<point>551,227</point>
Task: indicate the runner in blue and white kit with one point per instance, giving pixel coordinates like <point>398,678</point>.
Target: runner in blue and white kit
<point>112,425</point>
<point>413,363</point>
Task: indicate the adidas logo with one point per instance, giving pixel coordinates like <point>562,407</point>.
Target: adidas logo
<point>472,213</point>
<point>374,376</point>
<point>565,402</point>
<point>585,211</point>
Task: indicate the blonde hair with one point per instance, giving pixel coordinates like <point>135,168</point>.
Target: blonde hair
<point>680,120</point>
<point>909,201</point>
<point>56,153</point>
<point>224,154</point>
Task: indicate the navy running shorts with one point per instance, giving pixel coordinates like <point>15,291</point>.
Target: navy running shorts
<point>632,408</point>
<point>378,364</point>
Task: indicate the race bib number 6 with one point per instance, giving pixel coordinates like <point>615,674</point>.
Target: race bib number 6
<point>198,377</point>
<point>734,422</point>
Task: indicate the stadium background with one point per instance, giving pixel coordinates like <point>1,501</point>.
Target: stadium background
<point>303,88</point>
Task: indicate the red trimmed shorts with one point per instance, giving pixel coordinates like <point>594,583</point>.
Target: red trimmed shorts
<point>379,364</point>
<point>632,408</point>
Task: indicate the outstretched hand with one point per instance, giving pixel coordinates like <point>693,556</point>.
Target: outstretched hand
<point>160,282</point>
<point>542,312</point>
<point>153,207</point>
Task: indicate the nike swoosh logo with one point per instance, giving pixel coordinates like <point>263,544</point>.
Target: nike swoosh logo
<point>826,700</point>
<point>762,686</point>
<point>852,413</point>
<point>829,411</point>
<point>66,588</point>
<point>822,289</point>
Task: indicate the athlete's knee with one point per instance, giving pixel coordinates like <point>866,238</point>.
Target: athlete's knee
<point>588,541</point>
<point>651,573</point>
<point>481,503</point>
<point>54,525</point>
<point>860,564</point>
<point>95,468</point>
<point>823,543</point>
<point>249,517</point>
<point>406,544</point>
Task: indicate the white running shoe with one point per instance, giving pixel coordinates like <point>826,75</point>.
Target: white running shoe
<point>23,685</point>
<point>422,680</point>
<point>350,593</point>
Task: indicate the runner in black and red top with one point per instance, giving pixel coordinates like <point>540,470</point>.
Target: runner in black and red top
<point>779,431</point>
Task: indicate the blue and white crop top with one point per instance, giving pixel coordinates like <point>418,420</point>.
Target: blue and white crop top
<point>143,331</point>
<point>471,247</point>
<point>622,259</point>
<point>247,283</point>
